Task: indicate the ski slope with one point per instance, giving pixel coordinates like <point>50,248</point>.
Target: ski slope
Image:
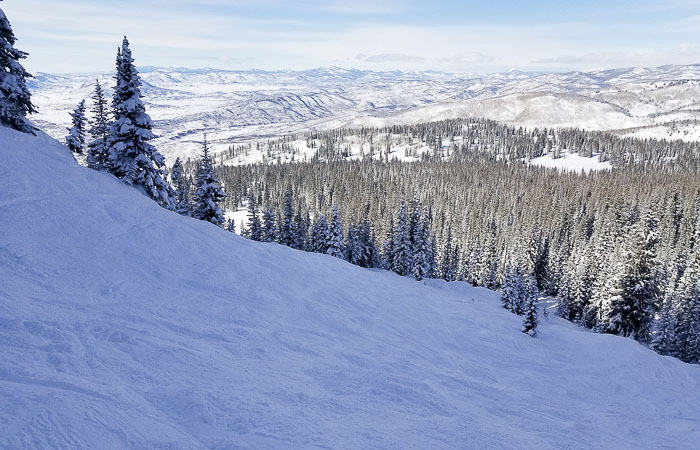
<point>123,325</point>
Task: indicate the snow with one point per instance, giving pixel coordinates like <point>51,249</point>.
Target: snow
<point>237,106</point>
<point>572,162</point>
<point>123,325</point>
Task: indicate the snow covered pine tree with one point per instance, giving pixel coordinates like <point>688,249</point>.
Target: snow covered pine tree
<point>514,292</point>
<point>286,226</point>
<point>335,242</point>
<point>75,140</point>
<point>132,158</point>
<point>269,226</point>
<point>530,319</point>
<point>15,99</point>
<point>631,295</point>
<point>255,229</point>
<point>208,193</point>
<point>98,156</point>
<point>181,203</point>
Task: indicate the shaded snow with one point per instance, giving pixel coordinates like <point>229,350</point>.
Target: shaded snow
<point>123,325</point>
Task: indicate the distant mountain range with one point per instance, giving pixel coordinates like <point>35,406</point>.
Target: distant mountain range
<point>233,106</point>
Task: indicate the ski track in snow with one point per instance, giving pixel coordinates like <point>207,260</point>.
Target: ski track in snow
<point>123,325</point>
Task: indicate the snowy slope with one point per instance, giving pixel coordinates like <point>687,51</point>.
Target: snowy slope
<point>232,106</point>
<point>123,325</point>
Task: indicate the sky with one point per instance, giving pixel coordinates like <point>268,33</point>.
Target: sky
<point>65,36</point>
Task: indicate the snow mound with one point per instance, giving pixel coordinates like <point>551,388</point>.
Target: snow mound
<point>123,325</point>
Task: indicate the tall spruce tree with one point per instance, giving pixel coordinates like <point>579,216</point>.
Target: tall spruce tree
<point>75,140</point>
<point>686,334</point>
<point>514,293</point>
<point>300,230</point>
<point>208,192</point>
<point>181,202</point>
<point>98,147</point>
<point>269,226</point>
<point>530,320</point>
<point>663,337</point>
<point>255,229</point>
<point>319,233</point>
<point>450,259</point>
<point>15,98</point>
<point>131,157</point>
<point>633,292</point>
<point>335,242</point>
<point>420,243</point>
<point>286,226</point>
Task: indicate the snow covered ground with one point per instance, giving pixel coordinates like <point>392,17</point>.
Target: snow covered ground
<point>123,325</point>
<point>571,162</point>
<point>237,106</point>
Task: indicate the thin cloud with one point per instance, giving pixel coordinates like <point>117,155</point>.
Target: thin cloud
<point>392,58</point>
<point>274,34</point>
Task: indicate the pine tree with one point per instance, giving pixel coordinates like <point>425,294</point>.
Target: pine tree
<point>434,268</point>
<point>335,242</point>
<point>420,249</point>
<point>362,248</point>
<point>401,247</point>
<point>75,140</point>
<point>98,150</point>
<point>255,230</point>
<point>449,266</point>
<point>585,282</point>
<point>181,203</point>
<point>208,192</point>
<point>15,98</point>
<point>663,338</point>
<point>530,308</point>
<point>300,229</point>
<point>319,234</point>
<point>487,272</point>
<point>269,227</point>
<point>633,292</point>
<point>286,236</point>
<point>231,226</point>
<point>131,157</point>
<point>686,333</point>
<point>514,292</point>
<point>365,249</point>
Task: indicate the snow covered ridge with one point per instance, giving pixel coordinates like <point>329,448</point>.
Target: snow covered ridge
<point>124,325</point>
<point>232,106</point>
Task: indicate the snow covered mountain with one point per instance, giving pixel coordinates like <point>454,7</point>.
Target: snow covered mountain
<point>232,106</point>
<point>123,325</point>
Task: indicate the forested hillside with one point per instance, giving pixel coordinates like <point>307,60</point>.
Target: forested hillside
<point>618,249</point>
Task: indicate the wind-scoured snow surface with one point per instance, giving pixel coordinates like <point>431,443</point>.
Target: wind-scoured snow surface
<point>123,325</point>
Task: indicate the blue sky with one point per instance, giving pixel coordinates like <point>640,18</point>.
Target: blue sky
<point>466,36</point>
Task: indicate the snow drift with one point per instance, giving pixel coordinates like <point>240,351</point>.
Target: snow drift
<point>123,325</point>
